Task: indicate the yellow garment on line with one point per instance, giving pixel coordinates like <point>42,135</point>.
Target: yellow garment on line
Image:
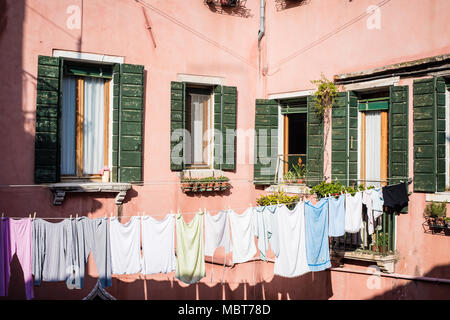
<point>190,250</point>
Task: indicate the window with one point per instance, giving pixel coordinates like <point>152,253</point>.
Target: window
<point>86,119</point>
<point>447,134</point>
<point>202,125</point>
<point>373,146</point>
<point>199,126</point>
<point>84,126</point>
<point>294,114</point>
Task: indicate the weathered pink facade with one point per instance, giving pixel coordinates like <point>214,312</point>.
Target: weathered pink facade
<point>302,40</point>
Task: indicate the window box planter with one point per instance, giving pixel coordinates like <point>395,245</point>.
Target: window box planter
<point>209,184</point>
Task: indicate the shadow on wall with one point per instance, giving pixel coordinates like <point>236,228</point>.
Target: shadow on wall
<point>311,286</point>
<point>239,11</point>
<point>288,4</point>
<point>420,290</point>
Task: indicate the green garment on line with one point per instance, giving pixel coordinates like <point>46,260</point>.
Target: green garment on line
<point>190,249</point>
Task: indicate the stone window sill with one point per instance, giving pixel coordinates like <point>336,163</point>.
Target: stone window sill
<point>60,189</point>
<point>385,262</point>
<point>289,188</point>
<point>438,197</point>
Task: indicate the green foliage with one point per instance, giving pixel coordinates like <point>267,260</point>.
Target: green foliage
<point>277,197</point>
<point>382,239</point>
<point>299,170</point>
<point>206,179</point>
<point>436,210</point>
<point>335,189</point>
<point>325,94</point>
<point>290,175</point>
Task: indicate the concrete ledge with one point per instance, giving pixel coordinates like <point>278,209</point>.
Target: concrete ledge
<point>289,188</point>
<point>385,263</point>
<point>438,197</point>
<point>60,189</point>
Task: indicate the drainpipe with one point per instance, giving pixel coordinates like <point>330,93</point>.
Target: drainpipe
<point>261,22</point>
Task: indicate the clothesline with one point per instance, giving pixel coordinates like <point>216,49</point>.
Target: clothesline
<point>168,182</point>
<point>155,215</point>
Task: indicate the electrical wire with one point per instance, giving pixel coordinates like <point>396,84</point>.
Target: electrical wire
<point>324,37</point>
<point>196,33</point>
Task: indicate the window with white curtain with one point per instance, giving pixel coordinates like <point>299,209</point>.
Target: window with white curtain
<point>84,126</point>
<point>199,125</point>
<point>373,141</point>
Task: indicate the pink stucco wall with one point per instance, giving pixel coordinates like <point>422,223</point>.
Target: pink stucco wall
<point>187,37</point>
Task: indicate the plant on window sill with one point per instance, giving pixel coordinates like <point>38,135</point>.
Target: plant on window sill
<point>325,95</point>
<point>207,184</point>
<point>435,214</point>
<point>277,198</point>
<point>381,243</point>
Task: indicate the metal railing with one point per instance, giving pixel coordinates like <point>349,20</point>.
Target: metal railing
<point>381,242</point>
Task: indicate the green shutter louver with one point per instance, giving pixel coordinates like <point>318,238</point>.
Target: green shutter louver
<point>48,85</point>
<point>429,135</point>
<point>266,141</point>
<point>314,150</point>
<point>398,134</point>
<point>128,109</point>
<point>177,125</point>
<point>344,139</point>
<point>225,127</point>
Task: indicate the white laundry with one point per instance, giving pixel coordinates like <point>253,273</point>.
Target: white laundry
<point>353,212</point>
<point>217,232</point>
<point>158,244</point>
<point>292,260</point>
<point>243,239</point>
<point>125,246</point>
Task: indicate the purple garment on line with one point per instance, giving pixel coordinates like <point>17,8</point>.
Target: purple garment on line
<point>16,238</point>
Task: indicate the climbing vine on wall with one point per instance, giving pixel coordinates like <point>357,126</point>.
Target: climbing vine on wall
<point>325,94</point>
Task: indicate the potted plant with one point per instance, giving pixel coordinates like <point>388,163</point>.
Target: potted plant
<point>381,243</point>
<point>435,214</point>
<point>186,184</point>
<point>210,183</point>
<point>447,223</point>
<point>299,170</point>
<point>224,185</point>
<point>290,177</point>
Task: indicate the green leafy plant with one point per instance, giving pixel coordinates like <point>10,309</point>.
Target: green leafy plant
<point>325,94</point>
<point>277,197</point>
<point>436,210</point>
<point>299,170</point>
<point>335,189</point>
<point>290,176</point>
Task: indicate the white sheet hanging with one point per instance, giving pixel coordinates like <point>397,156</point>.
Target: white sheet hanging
<point>125,246</point>
<point>217,232</point>
<point>158,244</point>
<point>243,239</point>
<point>353,212</point>
<point>291,261</point>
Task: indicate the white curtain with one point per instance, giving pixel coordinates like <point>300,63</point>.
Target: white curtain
<point>93,125</point>
<point>68,116</point>
<point>197,120</point>
<point>373,147</point>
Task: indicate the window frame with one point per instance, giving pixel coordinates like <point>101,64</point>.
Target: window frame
<point>79,119</point>
<point>208,90</point>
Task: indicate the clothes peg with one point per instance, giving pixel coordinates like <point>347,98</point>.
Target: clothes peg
<point>205,210</point>
<point>34,216</point>
<point>250,205</point>
<point>70,217</point>
<point>29,216</point>
<point>76,216</point>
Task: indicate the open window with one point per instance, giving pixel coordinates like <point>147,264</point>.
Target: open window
<point>294,113</point>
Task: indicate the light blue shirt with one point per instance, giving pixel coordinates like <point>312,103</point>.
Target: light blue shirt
<point>336,211</point>
<point>316,230</point>
<point>265,229</point>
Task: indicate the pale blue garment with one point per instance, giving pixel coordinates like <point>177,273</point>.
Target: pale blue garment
<point>264,228</point>
<point>336,212</point>
<point>377,202</point>
<point>316,227</point>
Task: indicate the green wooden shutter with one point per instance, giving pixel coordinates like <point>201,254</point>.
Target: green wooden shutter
<point>314,150</point>
<point>352,138</point>
<point>398,134</point>
<point>177,119</point>
<point>266,141</point>
<point>339,138</point>
<point>46,162</point>
<point>225,127</point>
<point>128,109</point>
<point>429,135</point>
